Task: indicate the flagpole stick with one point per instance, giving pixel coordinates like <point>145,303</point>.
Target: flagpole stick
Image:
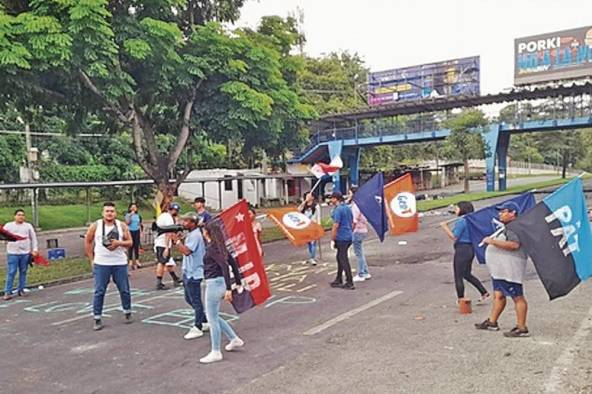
<point>315,185</point>
<point>497,232</point>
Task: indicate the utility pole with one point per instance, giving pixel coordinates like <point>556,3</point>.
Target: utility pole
<point>30,173</point>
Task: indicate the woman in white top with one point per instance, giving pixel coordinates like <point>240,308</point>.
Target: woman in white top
<point>309,209</point>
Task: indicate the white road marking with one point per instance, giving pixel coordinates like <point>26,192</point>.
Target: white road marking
<point>566,359</point>
<point>344,316</point>
<point>86,316</point>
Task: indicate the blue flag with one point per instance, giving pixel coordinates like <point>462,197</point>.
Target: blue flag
<point>484,222</point>
<point>370,199</point>
<point>556,235</point>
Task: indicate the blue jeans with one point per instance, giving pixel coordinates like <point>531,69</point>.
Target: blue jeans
<point>102,275</point>
<point>16,262</point>
<point>358,238</point>
<point>215,289</point>
<point>192,288</point>
<point>312,249</point>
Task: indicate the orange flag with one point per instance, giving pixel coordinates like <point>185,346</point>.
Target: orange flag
<point>298,228</point>
<point>401,205</point>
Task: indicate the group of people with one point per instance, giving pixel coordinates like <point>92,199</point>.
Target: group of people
<point>205,259</point>
<point>506,261</point>
<point>113,246</point>
<point>350,227</point>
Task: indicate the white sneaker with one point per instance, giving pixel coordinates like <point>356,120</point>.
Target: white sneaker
<point>367,276</point>
<point>313,262</point>
<point>205,327</point>
<point>193,333</point>
<point>212,357</point>
<point>234,344</point>
<point>359,278</point>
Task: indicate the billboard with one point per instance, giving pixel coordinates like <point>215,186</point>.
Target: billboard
<point>554,56</point>
<point>448,78</point>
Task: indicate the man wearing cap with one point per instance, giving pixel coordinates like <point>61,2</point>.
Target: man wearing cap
<point>506,261</point>
<point>162,247</point>
<point>193,250</point>
<point>341,235</point>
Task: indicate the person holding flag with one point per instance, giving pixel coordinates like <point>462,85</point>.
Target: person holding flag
<point>309,209</point>
<point>360,233</point>
<point>506,260</point>
<point>218,288</point>
<point>463,252</point>
<point>341,235</point>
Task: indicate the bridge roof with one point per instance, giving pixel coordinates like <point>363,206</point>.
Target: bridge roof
<point>447,103</point>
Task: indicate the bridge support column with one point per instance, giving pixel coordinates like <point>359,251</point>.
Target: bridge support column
<point>335,149</point>
<point>353,161</point>
<point>502,159</point>
<point>491,142</point>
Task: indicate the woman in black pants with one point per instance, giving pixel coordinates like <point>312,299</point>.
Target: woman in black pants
<point>463,252</point>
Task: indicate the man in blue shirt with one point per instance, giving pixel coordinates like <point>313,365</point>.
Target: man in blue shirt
<point>341,235</point>
<point>193,249</point>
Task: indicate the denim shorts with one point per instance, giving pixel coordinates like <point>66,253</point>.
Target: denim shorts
<point>508,289</point>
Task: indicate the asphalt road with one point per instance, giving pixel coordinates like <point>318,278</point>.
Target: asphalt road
<point>399,332</point>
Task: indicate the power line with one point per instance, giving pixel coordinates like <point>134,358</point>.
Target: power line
<point>44,134</point>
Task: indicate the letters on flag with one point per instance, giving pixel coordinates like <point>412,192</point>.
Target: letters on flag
<point>6,235</point>
<point>556,235</point>
<point>401,206</point>
<point>370,200</point>
<point>321,169</point>
<point>242,244</point>
<point>299,229</point>
<point>485,221</point>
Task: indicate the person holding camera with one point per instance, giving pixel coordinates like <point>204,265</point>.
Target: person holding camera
<point>193,249</point>
<point>106,243</point>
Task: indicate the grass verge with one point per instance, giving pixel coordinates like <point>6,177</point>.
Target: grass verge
<point>428,205</point>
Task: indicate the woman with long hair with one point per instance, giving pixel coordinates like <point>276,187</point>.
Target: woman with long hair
<point>134,223</point>
<point>218,288</point>
<point>463,252</point>
<point>309,209</point>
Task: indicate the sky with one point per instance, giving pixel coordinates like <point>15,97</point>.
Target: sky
<point>399,33</point>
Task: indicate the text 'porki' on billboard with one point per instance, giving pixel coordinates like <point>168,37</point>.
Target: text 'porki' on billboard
<point>562,55</point>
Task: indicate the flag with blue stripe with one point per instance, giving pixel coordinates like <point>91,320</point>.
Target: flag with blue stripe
<point>556,235</point>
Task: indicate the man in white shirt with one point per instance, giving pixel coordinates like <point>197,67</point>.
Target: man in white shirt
<point>106,244</point>
<point>162,247</point>
<point>19,253</point>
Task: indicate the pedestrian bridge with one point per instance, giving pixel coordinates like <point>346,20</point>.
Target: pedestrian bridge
<point>347,142</point>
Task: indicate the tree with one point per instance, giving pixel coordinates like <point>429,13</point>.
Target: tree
<point>150,68</point>
<point>465,141</point>
<point>331,84</point>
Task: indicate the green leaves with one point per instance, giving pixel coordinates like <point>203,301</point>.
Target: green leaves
<point>137,49</point>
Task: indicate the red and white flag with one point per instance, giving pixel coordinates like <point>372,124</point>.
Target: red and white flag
<point>401,207</point>
<point>240,239</point>
<point>6,235</point>
<point>321,169</point>
<point>299,229</point>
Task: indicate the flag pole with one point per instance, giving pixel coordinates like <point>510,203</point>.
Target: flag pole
<point>316,185</point>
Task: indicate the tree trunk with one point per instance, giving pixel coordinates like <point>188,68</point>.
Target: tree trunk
<point>564,163</point>
<point>466,164</point>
